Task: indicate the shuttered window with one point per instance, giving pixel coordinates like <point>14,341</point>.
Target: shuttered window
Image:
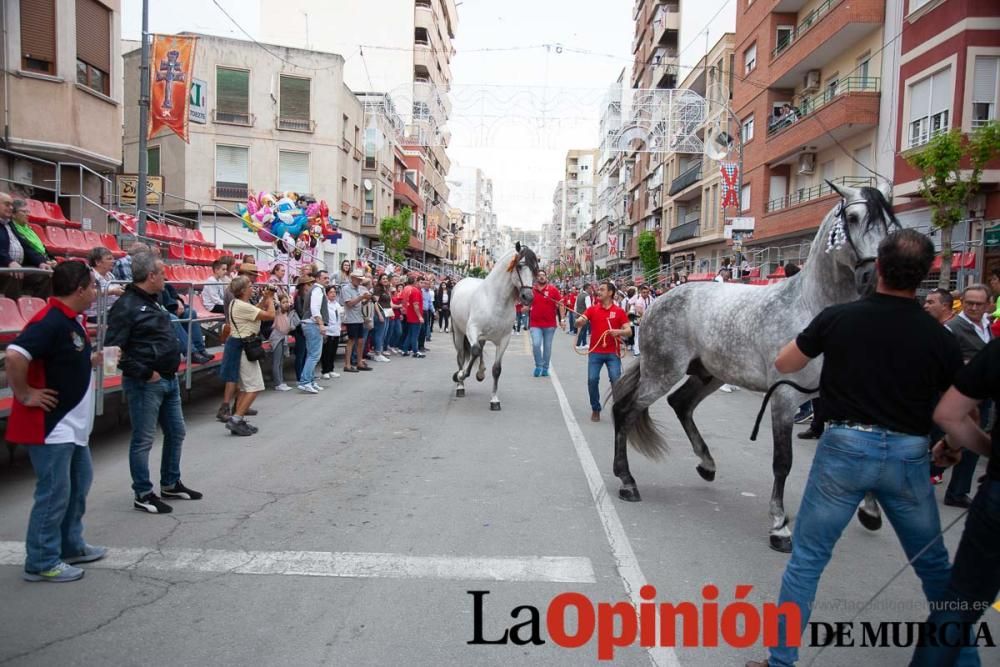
<point>294,92</point>
<point>930,107</point>
<point>93,34</point>
<point>293,171</point>
<point>232,168</point>
<point>985,90</point>
<point>38,36</point>
<point>232,97</point>
<point>153,160</point>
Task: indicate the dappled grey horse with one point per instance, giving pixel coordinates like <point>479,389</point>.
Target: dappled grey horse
<point>482,309</point>
<point>719,334</point>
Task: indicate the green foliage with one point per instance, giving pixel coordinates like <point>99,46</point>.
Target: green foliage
<point>602,273</point>
<point>478,272</point>
<point>394,234</point>
<point>649,254</point>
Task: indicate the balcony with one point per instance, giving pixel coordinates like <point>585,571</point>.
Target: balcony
<point>804,195</point>
<point>821,36</point>
<point>231,191</point>
<point>245,119</point>
<point>406,190</point>
<point>685,231</point>
<point>667,19</point>
<point>295,124</point>
<point>685,180</point>
<point>812,105</point>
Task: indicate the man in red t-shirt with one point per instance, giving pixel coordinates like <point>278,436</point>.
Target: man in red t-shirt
<point>569,301</point>
<point>413,316</point>
<point>546,305</point>
<point>608,325</point>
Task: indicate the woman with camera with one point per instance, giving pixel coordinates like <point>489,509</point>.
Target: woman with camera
<point>244,349</point>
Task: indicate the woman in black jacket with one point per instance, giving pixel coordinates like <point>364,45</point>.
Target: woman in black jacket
<point>442,304</point>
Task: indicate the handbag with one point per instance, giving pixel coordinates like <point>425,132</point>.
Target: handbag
<point>253,346</point>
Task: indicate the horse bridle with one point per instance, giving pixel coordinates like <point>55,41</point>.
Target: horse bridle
<point>841,232</point>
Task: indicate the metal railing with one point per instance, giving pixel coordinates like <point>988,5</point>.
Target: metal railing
<point>804,25</point>
<point>802,195</point>
<point>686,179</point>
<point>810,105</point>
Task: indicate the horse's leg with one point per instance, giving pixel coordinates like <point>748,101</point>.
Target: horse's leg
<point>870,514</point>
<point>481,373</point>
<point>497,368</point>
<point>684,400</point>
<point>461,349</point>
<point>783,407</point>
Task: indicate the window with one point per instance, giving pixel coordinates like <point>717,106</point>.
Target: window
<point>38,36</point>
<point>750,59</point>
<point>832,82</point>
<point>746,133</point>
<point>369,216</point>
<point>745,197</point>
<point>343,190</point>
<point>293,171</point>
<point>985,86</point>
<point>232,98</point>
<point>232,169</point>
<point>293,94</point>
<point>784,37</point>
<point>370,140</point>
<point>153,160</point>
<point>862,158</point>
<point>917,4</point>
<point>344,131</point>
<point>863,65</point>
<point>930,107</point>
<point>93,45</point>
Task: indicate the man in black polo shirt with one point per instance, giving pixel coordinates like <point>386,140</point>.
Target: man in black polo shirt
<point>879,389</point>
<point>975,577</point>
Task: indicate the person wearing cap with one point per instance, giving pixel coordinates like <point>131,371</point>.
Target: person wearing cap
<point>352,296</point>
<point>310,304</point>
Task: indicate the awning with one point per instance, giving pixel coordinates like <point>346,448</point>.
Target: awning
<point>959,260</point>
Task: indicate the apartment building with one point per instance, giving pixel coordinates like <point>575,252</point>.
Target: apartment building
<point>806,93</point>
<point>686,190</point>
<point>609,212</point>
<point>479,236</point>
<point>405,50</point>
<point>275,125</point>
<point>62,101</point>
<point>948,77</point>
<point>579,195</point>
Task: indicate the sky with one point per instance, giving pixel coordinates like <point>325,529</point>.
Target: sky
<point>516,109</point>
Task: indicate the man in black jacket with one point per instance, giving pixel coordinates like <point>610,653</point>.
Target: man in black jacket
<point>150,356</point>
<point>15,253</point>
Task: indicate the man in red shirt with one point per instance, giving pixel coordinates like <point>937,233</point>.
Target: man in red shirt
<point>569,301</point>
<point>546,305</point>
<point>413,314</point>
<point>608,325</point>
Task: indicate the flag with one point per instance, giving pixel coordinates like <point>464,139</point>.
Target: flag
<point>730,187</point>
<point>612,246</point>
<point>171,67</point>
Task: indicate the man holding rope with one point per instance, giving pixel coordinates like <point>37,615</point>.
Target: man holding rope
<point>608,324</point>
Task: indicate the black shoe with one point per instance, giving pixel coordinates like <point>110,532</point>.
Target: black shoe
<point>964,502</point>
<point>151,503</point>
<point>809,434</point>
<point>201,357</point>
<point>803,416</point>
<point>239,428</point>
<point>180,491</point>
<point>250,413</point>
<point>224,413</point>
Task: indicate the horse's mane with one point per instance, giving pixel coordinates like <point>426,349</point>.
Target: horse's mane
<point>879,208</point>
<point>529,257</point>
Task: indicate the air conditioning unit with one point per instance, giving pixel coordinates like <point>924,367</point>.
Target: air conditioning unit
<point>811,82</point>
<point>807,163</point>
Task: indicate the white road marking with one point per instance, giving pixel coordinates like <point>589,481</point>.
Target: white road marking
<point>333,564</point>
<point>625,560</point>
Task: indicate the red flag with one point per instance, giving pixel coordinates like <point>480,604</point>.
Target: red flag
<point>730,187</point>
<point>171,66</point>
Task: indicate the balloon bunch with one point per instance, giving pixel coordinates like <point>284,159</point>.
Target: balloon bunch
<point>288,219</point>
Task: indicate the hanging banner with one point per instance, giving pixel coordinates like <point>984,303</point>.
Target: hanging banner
<point>730,184</point>
<point>613,246</point>
<point>171,66</point>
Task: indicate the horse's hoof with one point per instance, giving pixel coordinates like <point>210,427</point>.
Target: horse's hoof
<point>459,393</point>
<point>781,543</point>
<point>869,521</point>
<point>454,378</point>
<point>480,376</point>
<point>629,493</point>
<point>706,474</point>
<point>495,407</point>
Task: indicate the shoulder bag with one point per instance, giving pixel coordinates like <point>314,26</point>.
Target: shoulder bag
<point>253,346</point>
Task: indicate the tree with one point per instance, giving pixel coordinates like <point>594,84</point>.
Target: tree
<point>649,254</point>
<point>943,185</point>
<point>477,272</point>
<point>394,234</point>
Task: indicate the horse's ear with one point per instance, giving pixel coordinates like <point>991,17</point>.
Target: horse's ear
<point>512,265</point>
<point>517,246</point>
<point>840,190</point>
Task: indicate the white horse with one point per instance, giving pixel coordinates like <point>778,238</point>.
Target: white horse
<point>482,309</point>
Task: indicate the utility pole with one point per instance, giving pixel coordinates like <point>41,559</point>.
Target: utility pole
<point>140,195</point>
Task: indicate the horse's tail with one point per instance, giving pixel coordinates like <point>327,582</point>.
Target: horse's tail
<point>639,427</point>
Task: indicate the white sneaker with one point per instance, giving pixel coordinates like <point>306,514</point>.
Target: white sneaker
<point>282,387</point>
<point>727,388</point>
<point>317,387</point>
<point>308,388</point>
<point>382,358</point>
<point>326,376</point>
<point>335,374</point>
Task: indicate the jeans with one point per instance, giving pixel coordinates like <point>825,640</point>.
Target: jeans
<point>595,362</point>
<point>55,529</point>
<point>380,331</point>
<point>180,328</point>
<point>411,341</point>
<point>314,349</point>
<point>428,323</point>
<point>300,353</point>
<point>396,333</point>
<point>975,578</point>
<point>848,464</point>
<point>149,404</point>
<point>541,346</point>
<point>572,322</point>
<point>581,337</point>
<point>521,321</point>
<point>965,470</point>
<point>278,351</point>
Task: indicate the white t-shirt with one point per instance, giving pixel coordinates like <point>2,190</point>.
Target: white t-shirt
<point>334,309</point>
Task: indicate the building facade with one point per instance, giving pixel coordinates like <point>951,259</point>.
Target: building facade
<point>478,236</point>
<point>610,212</point>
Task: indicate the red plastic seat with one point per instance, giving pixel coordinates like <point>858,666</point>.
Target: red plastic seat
<point>199,238</point>
<point>77,243</point>
<point>37,212</point>
<point>111,243</point>
<point>174,252</point>
<point>172,232</point>
<point>29,305</point>
<point>93,240</point>
<point>154,230</point>
<point>40,232</point>
<point>11,318</point>
<point>54,212</point>
<point>58,243</point>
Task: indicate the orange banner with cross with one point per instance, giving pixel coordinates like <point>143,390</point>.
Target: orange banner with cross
<point>171,66</point>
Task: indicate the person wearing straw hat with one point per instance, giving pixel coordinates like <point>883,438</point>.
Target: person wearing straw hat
<point>352,296</point>
<point>310,304</point>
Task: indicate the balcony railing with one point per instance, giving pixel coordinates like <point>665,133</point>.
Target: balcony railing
<point>236,191</point>
<point>689,177</point>
<point>296,124</point>
<point>233,117</point>
<point>810,105</point>
<point>804,25</point>
<point>802,195</point>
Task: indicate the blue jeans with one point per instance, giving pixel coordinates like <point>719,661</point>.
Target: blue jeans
<point>149,404</point>
<point>395,337</point>
<point>975,578</point>
<point>964,471</point>
<point>411,341</point>
<point>380,331</point>
<point>55,529</point>
<point>428,323</point>
<point>581,337</point>
<point>541,346</point>
<point>521,321</point>
<point>596,361</point>
<point>848,464</point>
<point>180,328</point>
<point>314,348</point>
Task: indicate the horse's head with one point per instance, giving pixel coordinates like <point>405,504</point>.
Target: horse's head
<point>523,267</point>
<point>855,227</point>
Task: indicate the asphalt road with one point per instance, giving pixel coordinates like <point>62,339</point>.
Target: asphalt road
<point>351,529</point>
